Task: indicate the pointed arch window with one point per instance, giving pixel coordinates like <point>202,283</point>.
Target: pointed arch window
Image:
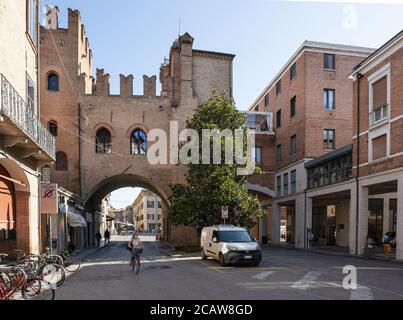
<point>103,141</point>
<point>138,143</point>
<point>53,82</point>
<point>61,161</point>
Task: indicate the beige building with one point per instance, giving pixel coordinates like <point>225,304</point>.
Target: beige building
<point>147,213</point>
<point>25,144</point>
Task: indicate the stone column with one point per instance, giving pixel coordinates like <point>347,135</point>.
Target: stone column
<point>362,219</point>
<point>300,221</point>
<point>352,235</point>
<point>399,238</point>
<point>275,233</point>
<point>22,209</point>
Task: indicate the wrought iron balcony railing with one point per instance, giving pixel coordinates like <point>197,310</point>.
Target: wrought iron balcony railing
<point>14,108</point>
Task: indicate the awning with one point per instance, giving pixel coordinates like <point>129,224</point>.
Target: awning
<point>76,220</point>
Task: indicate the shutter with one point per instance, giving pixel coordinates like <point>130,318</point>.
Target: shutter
<point>379,93</point>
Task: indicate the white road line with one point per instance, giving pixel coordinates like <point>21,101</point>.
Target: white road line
<point>307,281</point>
<point>362,293</point>
<point>374,268</point>
<point>264,275</point>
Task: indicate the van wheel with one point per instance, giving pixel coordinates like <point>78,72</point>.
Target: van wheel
<point>222,260</point>
<point>203,255</point>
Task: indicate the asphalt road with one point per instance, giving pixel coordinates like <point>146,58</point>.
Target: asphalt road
<point>283,274</point>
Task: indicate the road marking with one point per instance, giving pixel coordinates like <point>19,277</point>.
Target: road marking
<point>362,293</point>
<point>373,268</point>
<point>264,275</point>
<point>307,281</point>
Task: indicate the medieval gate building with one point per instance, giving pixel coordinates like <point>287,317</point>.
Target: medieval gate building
<point>101,139</point>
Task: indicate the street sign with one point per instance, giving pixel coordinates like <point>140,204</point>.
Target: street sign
<point>49,203</point>
<point>224,212</point>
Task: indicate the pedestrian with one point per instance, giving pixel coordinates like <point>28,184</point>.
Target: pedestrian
<point>387,247</point>
<point>369,246</point>
<point>98,237</point>
<point>107,236</point>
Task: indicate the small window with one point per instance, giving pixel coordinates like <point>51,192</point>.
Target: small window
<point>329,61</point>
<point>293,71</point>
<point>293,145</point>
<point>329,139</point>
<point>278,87</point>
<point>32,20</point>
<point>278,153</point>
<point>266,101</point>
<point>53,82</point>
<point>257,155</point>
<point>159,204</point>
<point>150,204</point>
<point>285,184</point>
<point>329,96</point>
<point>257,108</point>
<point>31,94</point>
<point>293,181</point>
<point>138,144</point>
<point>293,107</point>
<point>53,128</point>
<point>278,186</point>
<point>278,119</point>
<point>61,161</point>
<point>103,141</point>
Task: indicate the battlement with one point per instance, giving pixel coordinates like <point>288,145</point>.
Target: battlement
<point>102,85</point>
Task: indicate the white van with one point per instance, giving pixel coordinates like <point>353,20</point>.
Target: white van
<point>230,245</point>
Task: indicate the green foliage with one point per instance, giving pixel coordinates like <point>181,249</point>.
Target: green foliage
<point>209,187</point>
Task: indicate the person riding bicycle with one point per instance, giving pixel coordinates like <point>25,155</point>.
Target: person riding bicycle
<point>136,247</point>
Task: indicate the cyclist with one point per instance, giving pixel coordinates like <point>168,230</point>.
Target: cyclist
<point>136,248</point>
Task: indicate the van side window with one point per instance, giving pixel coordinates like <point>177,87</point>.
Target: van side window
<point>215,235</point>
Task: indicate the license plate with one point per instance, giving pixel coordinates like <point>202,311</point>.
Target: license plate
<point>248,257</point>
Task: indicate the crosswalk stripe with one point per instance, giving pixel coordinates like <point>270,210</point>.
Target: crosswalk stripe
<point>307,280</point>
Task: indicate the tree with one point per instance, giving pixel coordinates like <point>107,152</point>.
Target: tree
<point>198,203</point>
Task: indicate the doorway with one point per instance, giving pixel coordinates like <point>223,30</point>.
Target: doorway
<point>375,220</point>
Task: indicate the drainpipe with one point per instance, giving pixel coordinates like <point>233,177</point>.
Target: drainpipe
<point>305,230</point>
<point>79,149</point>
<point>359,75</point>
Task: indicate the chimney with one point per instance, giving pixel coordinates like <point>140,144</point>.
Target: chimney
<point>52,17</point>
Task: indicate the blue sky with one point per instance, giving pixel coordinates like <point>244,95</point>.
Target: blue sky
<point>133,36</point>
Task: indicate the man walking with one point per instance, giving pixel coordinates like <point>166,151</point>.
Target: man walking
<point>98,237</point>
<point>107,236</point>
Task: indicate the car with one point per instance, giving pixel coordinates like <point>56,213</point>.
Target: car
<point>230,245</point>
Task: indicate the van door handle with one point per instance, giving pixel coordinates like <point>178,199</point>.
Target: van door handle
<point>210,245</point>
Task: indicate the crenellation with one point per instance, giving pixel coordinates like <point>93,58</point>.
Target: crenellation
<point>150,86</point>
<point>126,86</point>
<point>102,86</point>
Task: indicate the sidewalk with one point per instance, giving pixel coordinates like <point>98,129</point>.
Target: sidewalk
<point>164,248</point>
<point>335,251</point>
<point>82,255</point>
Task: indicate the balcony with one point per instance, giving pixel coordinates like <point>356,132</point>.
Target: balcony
<point>22,128</point>
<point>260,122</point>
<point>379,115</point>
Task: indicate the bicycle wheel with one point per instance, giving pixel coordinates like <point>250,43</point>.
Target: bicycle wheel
<point>53,275</point>
<point>5,279</point>
<point>37,290</point>
<point>72,264</point>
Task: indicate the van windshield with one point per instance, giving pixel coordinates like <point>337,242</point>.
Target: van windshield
<point>234,236</point>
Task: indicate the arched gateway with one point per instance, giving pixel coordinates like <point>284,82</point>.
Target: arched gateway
<point>105,137</point>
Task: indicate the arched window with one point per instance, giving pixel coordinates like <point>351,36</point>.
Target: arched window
<point>103,141</point>
<point>138,143</point>
<point>61,161</point>
<point>53,82</point>
<point>53,128</point>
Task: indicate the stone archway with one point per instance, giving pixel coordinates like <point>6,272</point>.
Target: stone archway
<point>108,185</point>
<point>18,187</point>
